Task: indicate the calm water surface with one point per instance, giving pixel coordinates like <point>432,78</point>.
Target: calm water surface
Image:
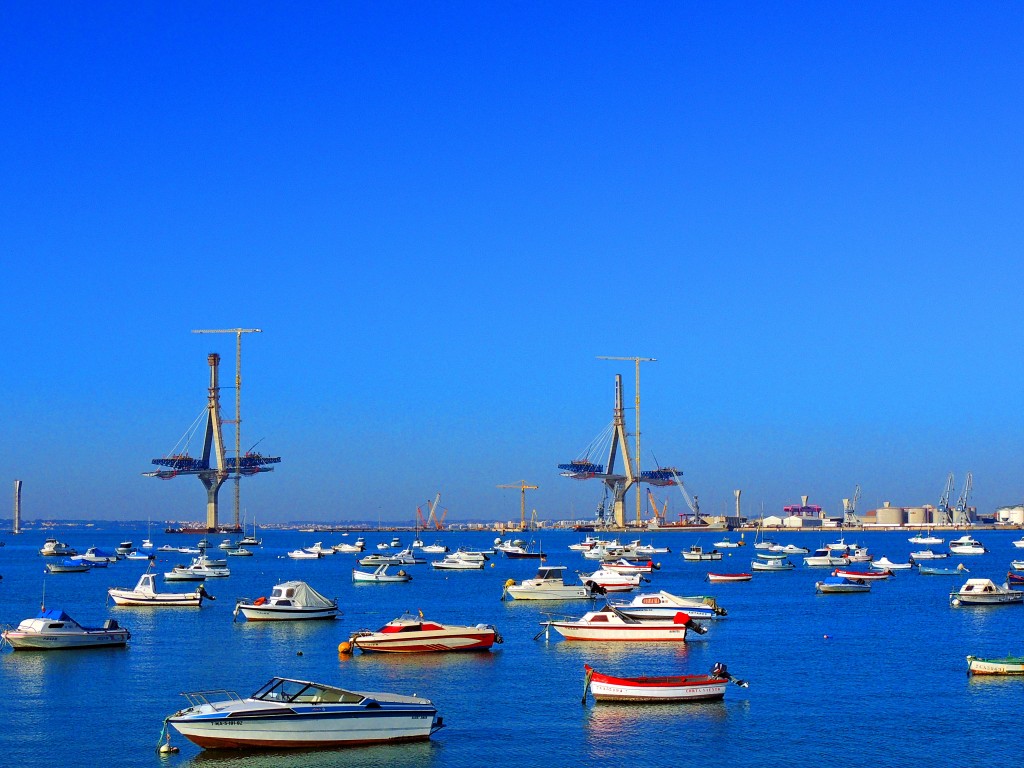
<point>878,679</point>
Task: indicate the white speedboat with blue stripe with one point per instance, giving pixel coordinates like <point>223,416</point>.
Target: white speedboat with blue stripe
<point>298,714</point>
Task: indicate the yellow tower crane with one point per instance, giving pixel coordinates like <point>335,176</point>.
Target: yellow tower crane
<point>523,487</point>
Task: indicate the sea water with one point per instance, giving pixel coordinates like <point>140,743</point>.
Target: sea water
<point>873,679</point>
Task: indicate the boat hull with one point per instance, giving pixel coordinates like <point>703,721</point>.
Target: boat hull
<point>426,642</point>
<point>127,597</point>
<point>308,730</point>
<point>674,688</point>
<point>721,578</point>
<point>644,631</point>
<point>54,641</point>
<point>567,592</point>
<point>1012,665</point>
<point>285,613</point>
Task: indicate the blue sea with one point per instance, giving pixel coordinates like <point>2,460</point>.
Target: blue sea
<point>874,679</point>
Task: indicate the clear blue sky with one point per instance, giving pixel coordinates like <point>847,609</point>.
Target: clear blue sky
<point>441,213</point>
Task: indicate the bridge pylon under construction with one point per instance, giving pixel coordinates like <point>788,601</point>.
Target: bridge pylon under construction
<point>214,466</point>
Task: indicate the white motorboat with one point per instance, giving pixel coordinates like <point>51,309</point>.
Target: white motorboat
<point>612,581</point>
<point>985,592</point>
<point>457,561</point>
<point>788,549</point>
<point>841,546</point>
<point>610,624</point>
<point>646,550</point>
<point>209,568</point>
<point>966,545</point>
<point>147,544</point>
<point>54,548</point>
<point>54,630</point>
<point>240,552</point>
<point>771,564</point>
<point>926,539</point>
<point>1017,565</point>
<point>346,548</point>
<point>548,584</point>
<point>97,555</point>
<point>183,573</point>
<point>696,552</point>
<point>824,558</point>
<point>927,554</point>
<point>290,601</point>
<point>380,575</point>
<point>885,564</point>
<point>136,555</point>
<point>437,548</point>
<point>303,554</point>
<point>145,594</point>
<point>841,585</point>
<point>727,543</point>
<point>297,714</point>
<point>123,548</point>
<point>228,544</point>
<point>622,565</point>
<point>587,544</point>
<point>665,605</point>
<point>320,549</point>
<point>68,566</point>
<point>166,548</point>
<point>415,634</point>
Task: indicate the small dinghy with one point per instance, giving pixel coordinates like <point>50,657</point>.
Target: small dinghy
<point>724,578</point>
<point>841,585</point>
<point>669,688</point>
<point>380,575</point>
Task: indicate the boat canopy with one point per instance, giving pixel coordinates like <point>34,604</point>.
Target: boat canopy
<point>284,690</point>
<point>300,593</point>
<point>54,614</point>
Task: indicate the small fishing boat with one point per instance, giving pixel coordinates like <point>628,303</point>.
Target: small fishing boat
<point>380,575</point>
<point>520,552</point>
<point>240,552</point>
<point>303,554</point>
<point>145,594</point>
<point>68,566</point>
<point>437,548</point>
<point>548,584</point>
<point>612,581</point>
<point>724,578</point>
<point>985,592</point>
<point>885,564</point>
<point>54,630</point>
<point>696,553</point>
<point>610,624</point>
<point>927,570</point>
<point>320,549</point>
<point>841,585</point>
<point>136,555</point>
<point>665,605</point>
<point>776,565</point>
<point>1008,665</point>
<point>414,634</point>
<point>290,601</point>
<point>297,714</point>
<point>668,688</point>
<point>966,545</point>
<point>863,575</point>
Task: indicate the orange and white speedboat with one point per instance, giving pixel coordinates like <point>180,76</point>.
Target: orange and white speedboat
<point>414,634</point>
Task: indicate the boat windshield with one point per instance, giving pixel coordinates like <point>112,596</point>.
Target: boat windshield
<point>301,692</point>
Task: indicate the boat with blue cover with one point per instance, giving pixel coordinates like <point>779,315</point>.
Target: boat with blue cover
<point>52,629</point>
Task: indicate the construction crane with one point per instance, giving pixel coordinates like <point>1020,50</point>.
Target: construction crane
<point>523,487</point>
<point>850,508</point>
<point>658,516</point>
<point>238,411</point>
<point>944,512</point>
<point>432,519</point>
<point>963,514</point>
<point>690,502</point>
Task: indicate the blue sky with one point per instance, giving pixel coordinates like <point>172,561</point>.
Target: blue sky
<point>440,214</point>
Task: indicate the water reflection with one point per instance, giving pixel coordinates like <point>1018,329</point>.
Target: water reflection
<point>419,753</point>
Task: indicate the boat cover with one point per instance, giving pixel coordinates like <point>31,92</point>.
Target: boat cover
<point>302,594</point>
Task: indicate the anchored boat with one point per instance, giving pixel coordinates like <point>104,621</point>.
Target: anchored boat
<point>290,601</point>
<point>1008,665</point>
<point>145,593</point>
<point>55,630</point>
<point>669,688</point>
<point>298,714</point>
<point>609,623</point>
<point>414,634</point>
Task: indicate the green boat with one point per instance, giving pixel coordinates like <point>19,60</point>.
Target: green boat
<point>1009,665</point>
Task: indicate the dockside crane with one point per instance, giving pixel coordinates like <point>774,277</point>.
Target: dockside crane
<point>657,515</point>
<point>943,512</point>
<point>523,487</point>
<point>432,520</point>
<point>963,514</point>
<point>850,508</point>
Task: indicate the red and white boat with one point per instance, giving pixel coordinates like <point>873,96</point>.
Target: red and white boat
<point>612,581</point>
<point>609,624</point>
<point>863,575</point>
<point>718,578</point>
<point>659,689</point>
<point>622,565</point>
<point>414,634</point>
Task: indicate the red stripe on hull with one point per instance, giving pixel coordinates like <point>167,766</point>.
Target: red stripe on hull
<point>211,743</point>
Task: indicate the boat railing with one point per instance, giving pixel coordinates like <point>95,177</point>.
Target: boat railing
<point>217,699</point>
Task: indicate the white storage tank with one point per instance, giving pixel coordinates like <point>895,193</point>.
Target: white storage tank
<point>1011,515</point>
<point>917,516</point>
<point>889,515</point>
